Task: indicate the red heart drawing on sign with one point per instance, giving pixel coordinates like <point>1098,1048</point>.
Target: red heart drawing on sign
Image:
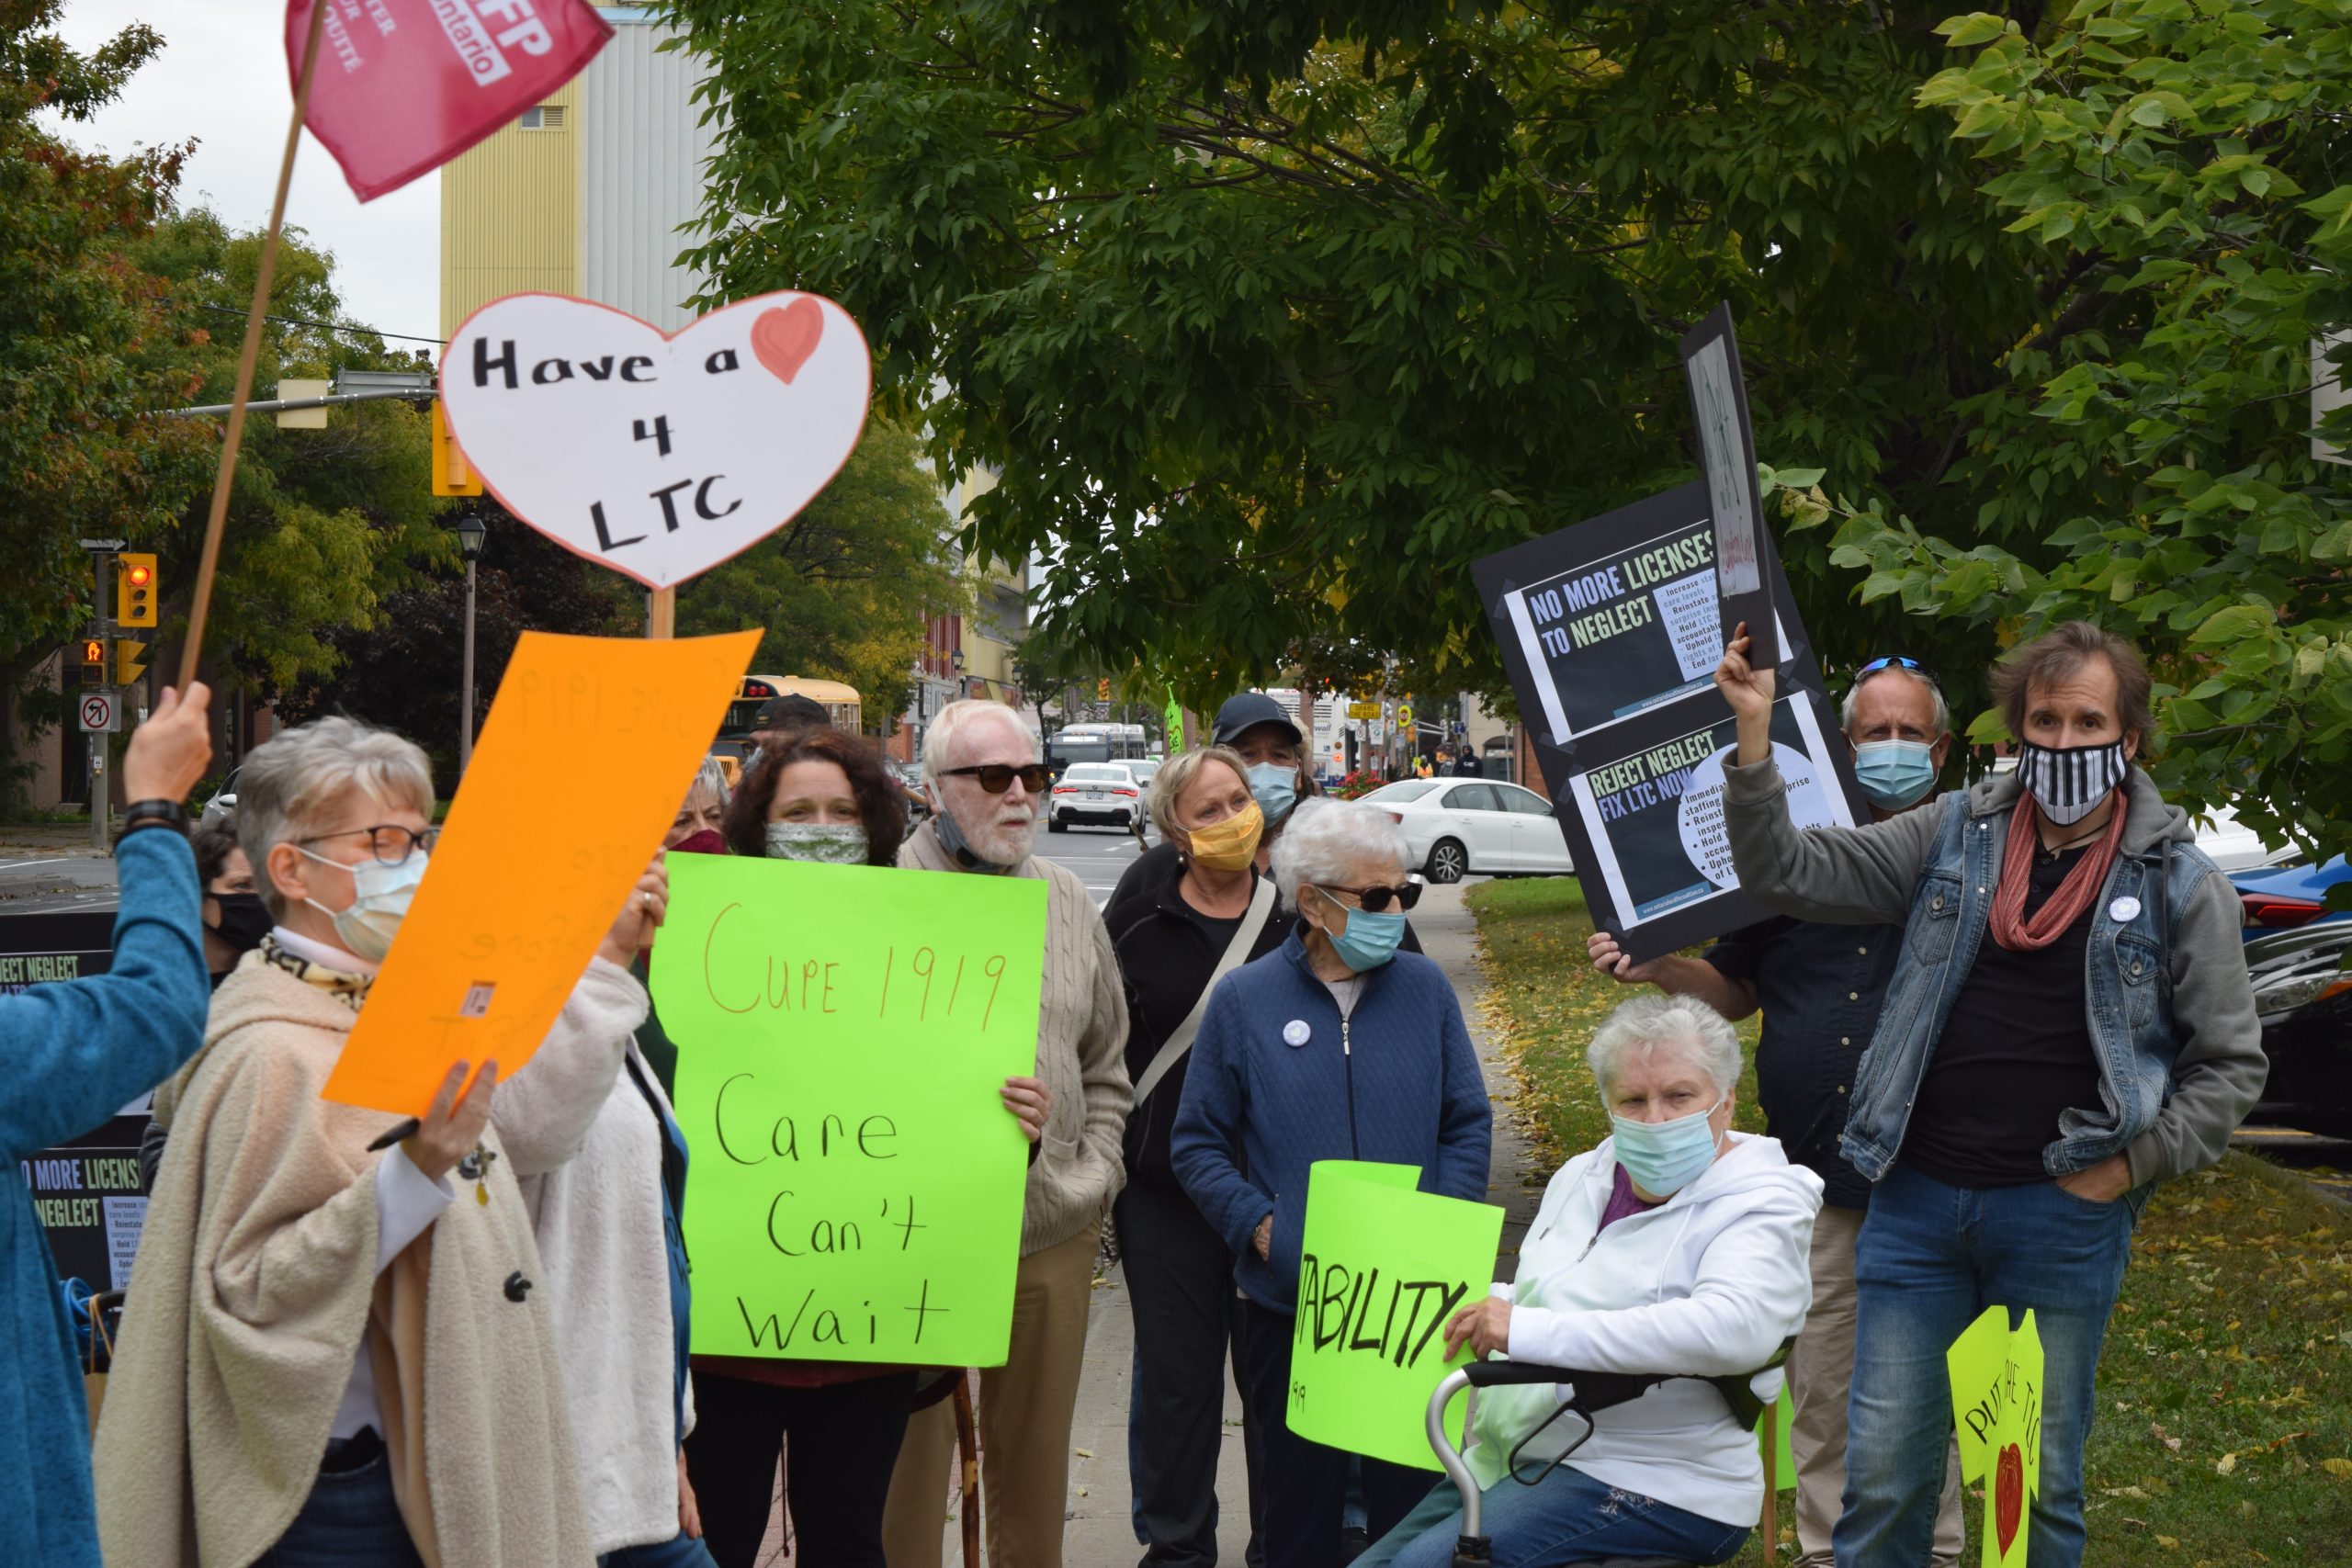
<point>785,339</point>
<point>2009,1497</point>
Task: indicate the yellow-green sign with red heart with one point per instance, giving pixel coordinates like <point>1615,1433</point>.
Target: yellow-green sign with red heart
<point>1997,1403</point>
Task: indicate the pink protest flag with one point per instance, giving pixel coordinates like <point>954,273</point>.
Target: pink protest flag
<point>405,85</point>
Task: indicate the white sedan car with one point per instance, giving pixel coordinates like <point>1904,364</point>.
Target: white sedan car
<point>1105,793</point>
<point>1456,827</point>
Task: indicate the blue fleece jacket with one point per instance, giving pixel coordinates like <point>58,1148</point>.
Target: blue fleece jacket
<point>71,1054</point>
<point>1276,1081</point>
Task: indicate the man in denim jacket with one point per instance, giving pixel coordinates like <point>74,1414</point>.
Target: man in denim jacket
<point>2070,1023</point>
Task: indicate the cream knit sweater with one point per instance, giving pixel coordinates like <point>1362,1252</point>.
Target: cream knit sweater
<point>1081,1047</point>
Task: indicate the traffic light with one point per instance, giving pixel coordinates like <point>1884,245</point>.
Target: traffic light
<point>1102,690</point>
<point>94,662</point>
<point>452,475</point>
<point>130,662</point>
<point>134,589</point>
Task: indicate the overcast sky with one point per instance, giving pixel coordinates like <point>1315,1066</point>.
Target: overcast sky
<point>221,79</point>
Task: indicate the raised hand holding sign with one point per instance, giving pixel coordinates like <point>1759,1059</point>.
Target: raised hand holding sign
<point>658,455</point>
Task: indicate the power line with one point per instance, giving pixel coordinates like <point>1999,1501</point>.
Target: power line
<point>324,326</point>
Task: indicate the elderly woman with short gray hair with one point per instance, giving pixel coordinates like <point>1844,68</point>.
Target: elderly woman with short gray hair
<point>1335,1046</point>
<point>328,1353</point>
<point>1677,1245</point>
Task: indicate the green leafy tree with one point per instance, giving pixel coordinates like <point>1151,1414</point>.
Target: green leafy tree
<point>323,525</point>
<point>2145,459</point>
<point>87,347</point>
<point>843,590</point>
<point>1275,314</point>
<point>405,670</point>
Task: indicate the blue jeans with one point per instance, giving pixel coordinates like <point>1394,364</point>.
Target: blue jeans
<point>684,1551</point>
<point>351,1520</point>
<point>1568,1516</point>
<point>1932,1258</point>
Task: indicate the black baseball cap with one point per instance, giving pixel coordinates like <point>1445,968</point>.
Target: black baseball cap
<point>792,711</point>
<point>1249,710</point>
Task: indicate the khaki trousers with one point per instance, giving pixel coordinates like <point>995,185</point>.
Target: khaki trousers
<point>1025,1409</point>
<point>1821,1371</point>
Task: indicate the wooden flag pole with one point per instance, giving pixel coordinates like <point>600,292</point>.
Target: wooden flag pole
<point>227,472</point>
<point>662,614</point>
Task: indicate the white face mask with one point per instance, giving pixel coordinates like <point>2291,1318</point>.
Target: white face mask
<point>834,843</point>
<point>380,897</point>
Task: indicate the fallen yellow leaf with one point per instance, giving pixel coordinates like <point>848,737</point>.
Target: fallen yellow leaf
<point>2339,1468</point>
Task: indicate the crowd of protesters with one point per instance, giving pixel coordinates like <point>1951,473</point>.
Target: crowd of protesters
<point>1993,1021</point>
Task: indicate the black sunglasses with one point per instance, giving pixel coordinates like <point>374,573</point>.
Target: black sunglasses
<point>997,777</point>
<point>1375,900</point>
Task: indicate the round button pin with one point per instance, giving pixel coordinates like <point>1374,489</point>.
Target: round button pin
<point>2124,908</point>
<point>1295,1032</point>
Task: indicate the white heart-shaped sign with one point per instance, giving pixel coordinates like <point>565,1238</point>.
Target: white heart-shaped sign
<point>657,455</point>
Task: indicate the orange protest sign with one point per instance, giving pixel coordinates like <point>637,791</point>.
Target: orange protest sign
<point>588,749</point>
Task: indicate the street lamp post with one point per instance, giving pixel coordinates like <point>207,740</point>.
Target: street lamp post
<point>471,533</point>
<point>956,660</point>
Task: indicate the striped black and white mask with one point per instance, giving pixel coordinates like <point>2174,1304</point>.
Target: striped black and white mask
<point>2069,781</point>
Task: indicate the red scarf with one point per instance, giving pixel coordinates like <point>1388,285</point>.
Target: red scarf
<point>2010,927</point>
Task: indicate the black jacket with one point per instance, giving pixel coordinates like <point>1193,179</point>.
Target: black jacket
<point>1167,949</point>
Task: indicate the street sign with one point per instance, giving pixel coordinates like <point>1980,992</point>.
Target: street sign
<point>1404,714</point>
<point>1363,710</point>
<point>101,715</point>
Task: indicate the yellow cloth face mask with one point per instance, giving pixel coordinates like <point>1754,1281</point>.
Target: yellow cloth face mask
<point>1231,844</point>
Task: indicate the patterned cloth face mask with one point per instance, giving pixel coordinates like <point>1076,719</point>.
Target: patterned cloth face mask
<point>2068,782</point>
<point>834,843</point>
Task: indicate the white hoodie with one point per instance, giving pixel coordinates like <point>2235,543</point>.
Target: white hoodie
<point>1710,1282</point>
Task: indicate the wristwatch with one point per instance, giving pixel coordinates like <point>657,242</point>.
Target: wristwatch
<point>155,813</point>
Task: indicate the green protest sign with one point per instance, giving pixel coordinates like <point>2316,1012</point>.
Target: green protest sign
<point>843,1034</point>
<point>1997,1400</point>
<point>1380,1269</point>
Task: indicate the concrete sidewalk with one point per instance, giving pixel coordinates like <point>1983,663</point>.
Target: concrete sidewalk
<point>1099,1533</point>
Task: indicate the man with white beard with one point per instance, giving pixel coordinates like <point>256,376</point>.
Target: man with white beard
<point>980,766</point>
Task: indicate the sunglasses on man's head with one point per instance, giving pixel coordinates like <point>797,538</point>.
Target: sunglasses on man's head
<point>1375,900</point>
<point>1892,662</point>
<point>997,777</point>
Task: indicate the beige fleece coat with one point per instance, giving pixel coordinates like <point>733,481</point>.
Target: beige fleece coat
<point>254,1286</point>
<point>1081,1054</point>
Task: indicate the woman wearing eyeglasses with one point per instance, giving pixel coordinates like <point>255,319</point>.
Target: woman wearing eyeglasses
<point>343,1343</point>
<point>1337,1046</point>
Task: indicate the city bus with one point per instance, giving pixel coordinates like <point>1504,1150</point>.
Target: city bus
<point>1094,743</point>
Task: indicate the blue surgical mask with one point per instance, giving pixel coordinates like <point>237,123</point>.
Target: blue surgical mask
<point>1370,940</point>
<point>959,848</point>
<point>382,899</point>
<point>1895,773</point>
<point>1275,786</point>
<point>1663,1158</point>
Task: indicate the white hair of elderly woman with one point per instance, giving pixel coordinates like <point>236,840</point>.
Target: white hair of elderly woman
<point>1324,839</point>
<point>1682,1025</point>
<point>290,783</point>
<point>941,736</point>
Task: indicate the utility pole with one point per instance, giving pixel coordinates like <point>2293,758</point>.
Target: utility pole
<point>472,531</point>
<point>102,554</point>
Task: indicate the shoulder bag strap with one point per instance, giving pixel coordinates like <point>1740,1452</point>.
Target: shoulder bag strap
<point>1237,953</point>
